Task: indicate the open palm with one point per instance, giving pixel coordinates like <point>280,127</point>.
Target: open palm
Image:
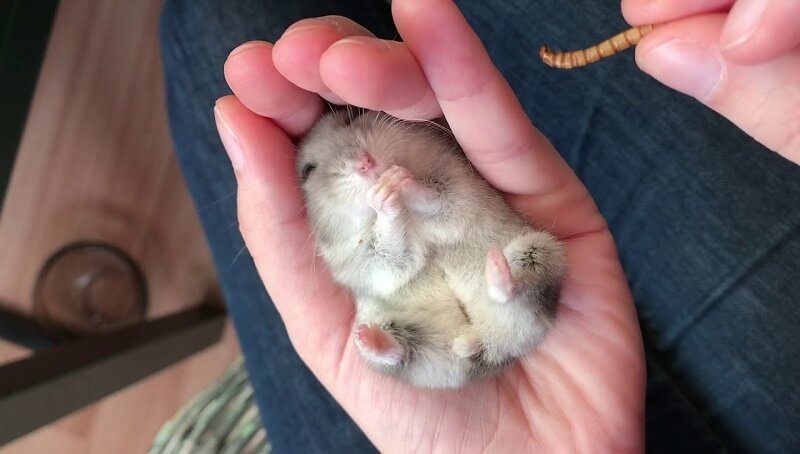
<point>583,388</point>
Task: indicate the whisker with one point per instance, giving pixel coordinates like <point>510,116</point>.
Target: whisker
<point>314,271</point>
<point>435,125</point>
<point>217,202</point>
<point>307,240</point>
<point>238,254</point>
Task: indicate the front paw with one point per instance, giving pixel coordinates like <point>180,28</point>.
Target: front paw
<point>385,196</point>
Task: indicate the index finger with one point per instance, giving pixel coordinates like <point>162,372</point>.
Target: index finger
<point>488,121</point>
<point>481,109</point>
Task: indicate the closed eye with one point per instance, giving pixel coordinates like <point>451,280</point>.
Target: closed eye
<point>307,169</point>
<point>351,116</point>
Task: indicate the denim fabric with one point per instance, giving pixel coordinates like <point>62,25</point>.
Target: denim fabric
<point>197,36</point>
<point>706,220</point>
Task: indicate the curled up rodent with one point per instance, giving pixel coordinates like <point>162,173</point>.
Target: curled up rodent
<point>449,282</point>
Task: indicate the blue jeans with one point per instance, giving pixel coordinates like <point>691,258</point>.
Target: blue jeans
<point>706,220</point>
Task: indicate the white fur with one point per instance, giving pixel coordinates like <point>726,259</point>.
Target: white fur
<point>410,240</point>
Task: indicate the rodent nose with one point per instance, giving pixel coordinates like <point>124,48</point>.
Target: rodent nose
<point>364,162</point>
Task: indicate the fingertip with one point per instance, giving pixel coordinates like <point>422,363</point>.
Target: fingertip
<point>379,75</point>
<point>250,50</point>
<point>700,30</point>
<point>224,101</point>
<point>263,146</point>
<point>354,69</point>
<point>405,8</point>
<point>298,52</point>
<point>227,134</point>
<point>249,70</point>
<point>637,12</point>
<point>249,45</point>
<point>257,84</point>
<point>684,56</point>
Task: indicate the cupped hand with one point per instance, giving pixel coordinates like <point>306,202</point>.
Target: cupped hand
<point>583,388</point>
<point>739,57</point>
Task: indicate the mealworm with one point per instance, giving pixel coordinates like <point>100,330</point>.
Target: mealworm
<point>607,48</point>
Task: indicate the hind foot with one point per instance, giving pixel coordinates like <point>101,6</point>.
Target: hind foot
<point>523,283</point>
<point>500,282</point>
<point>377,346</point>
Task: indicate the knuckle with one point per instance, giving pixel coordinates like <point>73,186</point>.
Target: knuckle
<point>470,86</point>
<point>510,150</point>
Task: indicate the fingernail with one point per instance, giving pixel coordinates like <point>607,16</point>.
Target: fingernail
<point>684,66</point>
<point>319,23</point>
<point>248,46</point>
<point>372,43</point>
<point>229,140</point>
<point>743,22</point>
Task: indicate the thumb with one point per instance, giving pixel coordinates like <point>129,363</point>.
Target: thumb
<point>317,313</point>
<point>762,100</point>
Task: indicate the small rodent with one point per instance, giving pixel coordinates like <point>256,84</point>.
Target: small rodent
<point>449,282</point>
<point>607,48</point>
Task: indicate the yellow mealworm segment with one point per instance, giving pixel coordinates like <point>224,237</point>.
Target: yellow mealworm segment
<point>607,48</point>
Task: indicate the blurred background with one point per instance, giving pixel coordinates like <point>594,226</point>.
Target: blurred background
<point>97,231</point>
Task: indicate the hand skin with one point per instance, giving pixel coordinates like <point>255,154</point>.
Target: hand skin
<point>582,390</point>
<point>738,57</point>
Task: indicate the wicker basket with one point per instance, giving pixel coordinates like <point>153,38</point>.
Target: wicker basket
<point>221,419</point>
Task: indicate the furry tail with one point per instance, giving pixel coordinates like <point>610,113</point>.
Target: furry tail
<point>607,48</point>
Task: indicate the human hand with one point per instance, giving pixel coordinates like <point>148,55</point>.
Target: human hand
<point>739,57</point>
<point>583,388</point>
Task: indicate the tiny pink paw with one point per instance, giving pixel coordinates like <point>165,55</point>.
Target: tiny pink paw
<point>399,176</point>
<point>385,199</point>
<point>378,346</point>
<point>384,196</point>
<point>499,281</point>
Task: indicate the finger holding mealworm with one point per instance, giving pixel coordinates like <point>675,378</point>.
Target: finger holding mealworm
<point>763,100</point>
<point>605,49</point>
